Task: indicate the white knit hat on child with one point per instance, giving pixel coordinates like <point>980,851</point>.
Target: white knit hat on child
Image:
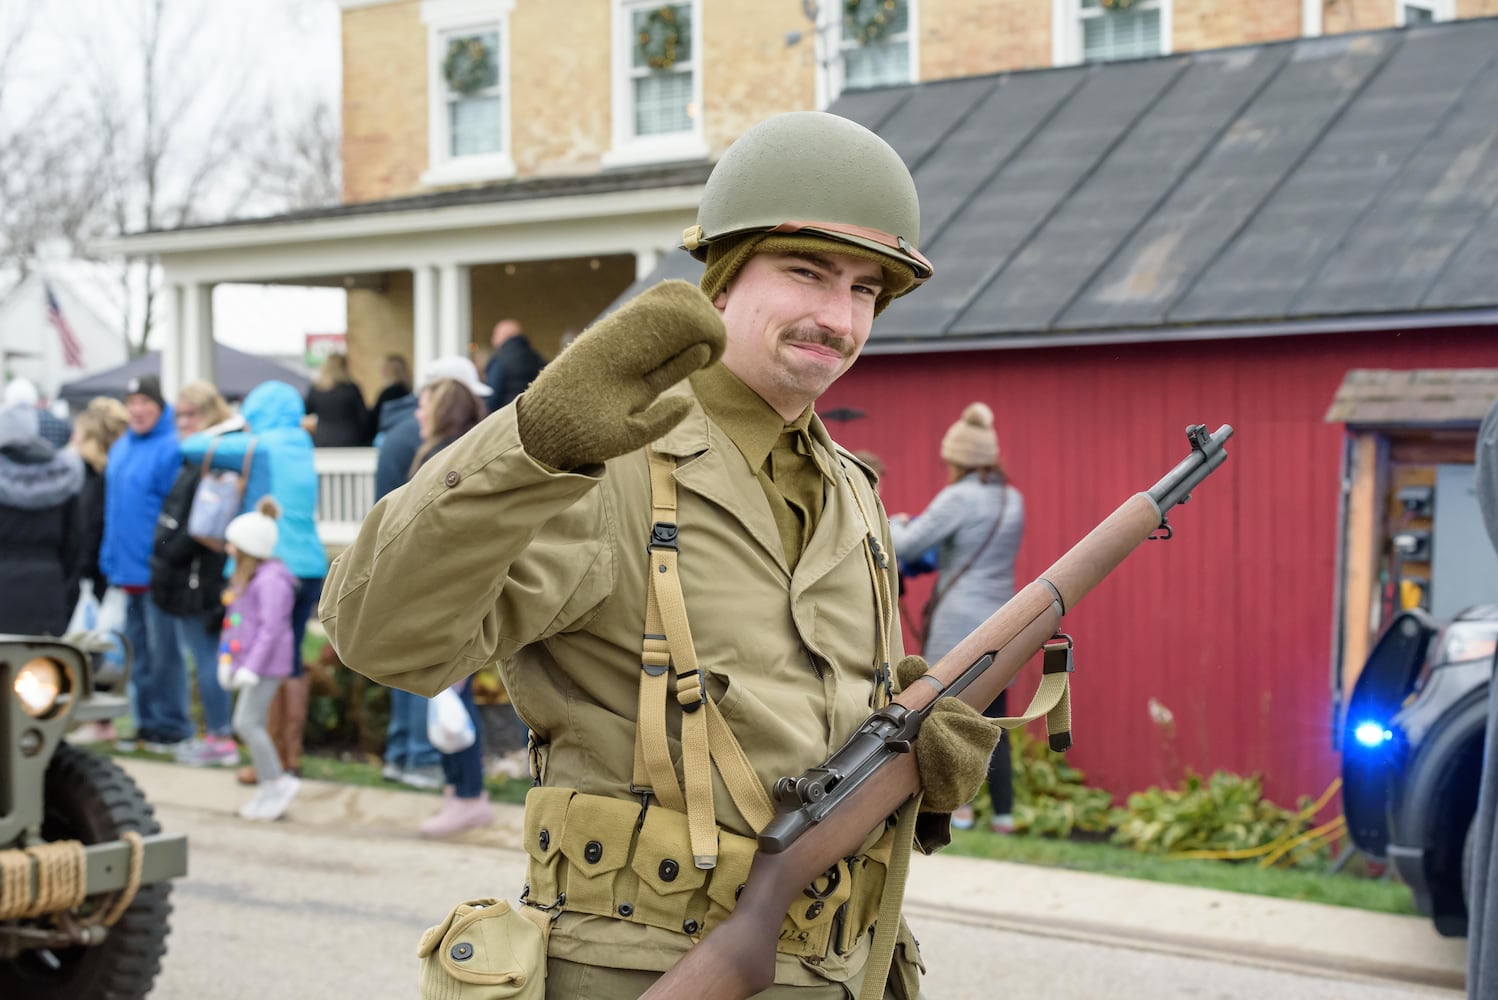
<point>255,533</point>
<point>971,442</point>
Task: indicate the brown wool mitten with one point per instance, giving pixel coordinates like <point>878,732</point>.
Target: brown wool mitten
<point>953,747</point>
<point>597,400</point>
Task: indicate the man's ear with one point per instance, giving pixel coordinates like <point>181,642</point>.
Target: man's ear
<point>721,302</point>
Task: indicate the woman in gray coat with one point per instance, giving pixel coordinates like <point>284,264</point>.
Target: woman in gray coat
<point>975,524</point>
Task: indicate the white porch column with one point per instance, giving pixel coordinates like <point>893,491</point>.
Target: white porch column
<point>424,321</point>
<point>454,310</point>
<point>196,337</point>
<point>170,299</point>
<point>646,260</point>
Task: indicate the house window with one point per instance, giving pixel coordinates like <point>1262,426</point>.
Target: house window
<point>468,84</point>
<point>1408,14</point>
<point>657,82</point>
<point>1130,33</point>
<point>1099,31</point>
<point>874,43</point>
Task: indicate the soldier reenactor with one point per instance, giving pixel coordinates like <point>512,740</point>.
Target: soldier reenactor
<point>687,584</point>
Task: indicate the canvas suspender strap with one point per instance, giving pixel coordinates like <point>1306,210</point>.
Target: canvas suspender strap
<point>1053,697</point>
<point>706,738</point>
<point>878,562</point>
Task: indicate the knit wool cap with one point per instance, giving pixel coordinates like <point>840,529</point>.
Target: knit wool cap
<point>725,258</point>
<point>255,534</point>
<point>148,386</point>
<point>971,441</point>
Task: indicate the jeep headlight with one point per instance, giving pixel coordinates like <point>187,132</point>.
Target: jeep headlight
<point>41,686</point>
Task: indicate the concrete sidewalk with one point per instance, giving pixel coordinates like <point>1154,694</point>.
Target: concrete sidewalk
<point>1132,913</point>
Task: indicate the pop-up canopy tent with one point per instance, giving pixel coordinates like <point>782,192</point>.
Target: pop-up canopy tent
<point>238,373</point>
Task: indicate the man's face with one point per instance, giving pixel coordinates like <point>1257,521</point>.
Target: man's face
<point>796,322</point>
<point>142,412</point>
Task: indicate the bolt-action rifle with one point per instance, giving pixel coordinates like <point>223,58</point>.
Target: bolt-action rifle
<point>826,813</point>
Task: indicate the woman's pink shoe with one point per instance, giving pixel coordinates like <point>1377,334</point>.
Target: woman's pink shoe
<point>457,815</point>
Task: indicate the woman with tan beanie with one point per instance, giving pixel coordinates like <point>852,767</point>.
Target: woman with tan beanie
<point>975,523</point>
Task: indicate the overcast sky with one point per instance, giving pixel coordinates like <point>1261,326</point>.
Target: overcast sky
<point>276,53</point>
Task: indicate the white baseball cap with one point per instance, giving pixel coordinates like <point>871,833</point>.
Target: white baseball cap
<point>457,368</point>
<point>20,391</point>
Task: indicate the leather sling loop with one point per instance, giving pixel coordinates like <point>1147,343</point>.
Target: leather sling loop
<point>1053,697</point>
<point>882,950</point>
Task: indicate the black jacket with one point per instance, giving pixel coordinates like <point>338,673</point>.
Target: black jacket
<point>38,542</point>
<point>511,368</point>
<point>89,524</point>
<point>187,579</point>
<point>342,417</point>
<point>397,451</point>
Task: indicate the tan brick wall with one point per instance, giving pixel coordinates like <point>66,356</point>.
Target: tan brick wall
<point>384,100</point>
<point>749,71</point>
<point>559,85</point>
<point>1212,24</point>
<point>379,323</point>
<point>1476,8</point>
<point>1341,16</point>
<point>548,297</point>
<point>967,37</point>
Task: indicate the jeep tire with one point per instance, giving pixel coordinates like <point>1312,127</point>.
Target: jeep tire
<point>89,798</point>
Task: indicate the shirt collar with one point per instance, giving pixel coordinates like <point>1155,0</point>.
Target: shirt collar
<point>751,423</point>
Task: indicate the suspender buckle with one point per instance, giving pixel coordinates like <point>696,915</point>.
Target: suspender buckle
<point>663,536</point>
<point>879,556</point>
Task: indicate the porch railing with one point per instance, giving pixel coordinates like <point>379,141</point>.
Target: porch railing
<point>345,492</point>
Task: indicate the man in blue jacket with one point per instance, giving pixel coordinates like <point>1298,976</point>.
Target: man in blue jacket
<point>142,466</point>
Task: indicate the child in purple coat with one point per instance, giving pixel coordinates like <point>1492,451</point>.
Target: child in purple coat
<point>255,650</point>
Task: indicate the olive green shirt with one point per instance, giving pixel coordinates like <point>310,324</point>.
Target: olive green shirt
<point>793,473</point>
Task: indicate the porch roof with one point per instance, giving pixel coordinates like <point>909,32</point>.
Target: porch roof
<point>1370,397</point>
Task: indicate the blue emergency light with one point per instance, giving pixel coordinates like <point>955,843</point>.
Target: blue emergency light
<point>1371,734</point>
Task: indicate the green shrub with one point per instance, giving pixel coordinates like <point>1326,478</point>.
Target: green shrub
<point>1050,796</point>
<point>1224,815</point>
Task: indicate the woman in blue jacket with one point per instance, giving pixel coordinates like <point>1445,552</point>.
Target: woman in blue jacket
<point>281,464</point>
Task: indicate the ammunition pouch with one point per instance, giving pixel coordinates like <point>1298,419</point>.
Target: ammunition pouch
<point>614,858</point>
<point>484,950</point>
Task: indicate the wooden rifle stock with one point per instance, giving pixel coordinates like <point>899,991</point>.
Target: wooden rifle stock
<point>737,959</point>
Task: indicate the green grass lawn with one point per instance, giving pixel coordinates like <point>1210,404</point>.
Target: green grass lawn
<point>1312,885</point>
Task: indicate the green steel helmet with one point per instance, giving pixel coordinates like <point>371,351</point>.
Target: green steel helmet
<point>811,172</point>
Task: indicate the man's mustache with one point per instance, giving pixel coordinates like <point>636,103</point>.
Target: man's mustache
<point>821,338</point>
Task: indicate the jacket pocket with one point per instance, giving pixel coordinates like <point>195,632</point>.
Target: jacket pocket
<point>483,950</point>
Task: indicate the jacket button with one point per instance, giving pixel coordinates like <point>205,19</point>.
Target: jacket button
<point>669,869</point>
<point>592,851</point>
<point>545,840</point>
<point>462,951</point>
<point>453,478</point>
<point>625,909</point>
<point>813,910</point>
<point>690,926</point>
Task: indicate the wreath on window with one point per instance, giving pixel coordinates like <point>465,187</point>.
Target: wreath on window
<point>659,38</point>
<point>867,21</point>
<point>1116,5</point>
<point>468,66</point>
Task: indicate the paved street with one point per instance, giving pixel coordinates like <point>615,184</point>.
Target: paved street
<point>296,910</point>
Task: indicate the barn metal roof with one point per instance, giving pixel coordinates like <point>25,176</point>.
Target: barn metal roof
<point>1315,184</point>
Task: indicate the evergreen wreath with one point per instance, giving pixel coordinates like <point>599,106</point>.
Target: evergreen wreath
<point>659,38</point>
<point>1116,5</point>
<point>868,21</point>
<point>469,65</point>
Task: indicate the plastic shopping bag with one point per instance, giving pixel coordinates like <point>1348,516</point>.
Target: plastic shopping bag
<point>86,611</point>
<point>449,726</point>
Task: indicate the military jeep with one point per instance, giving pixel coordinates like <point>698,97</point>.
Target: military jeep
<point>84,867</point>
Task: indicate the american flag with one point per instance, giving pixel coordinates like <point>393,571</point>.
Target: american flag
<point>72,350</point>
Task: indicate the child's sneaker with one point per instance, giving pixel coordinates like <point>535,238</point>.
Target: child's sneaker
<point>255,808</point>
<point>278,795</point>
<point>426,778</point>
<point>211,751</point>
